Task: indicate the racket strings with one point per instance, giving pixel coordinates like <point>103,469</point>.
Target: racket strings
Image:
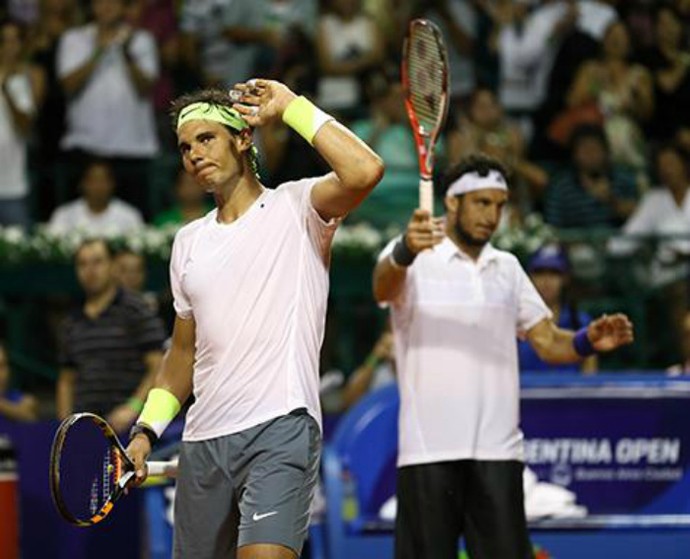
<point>426,76</point>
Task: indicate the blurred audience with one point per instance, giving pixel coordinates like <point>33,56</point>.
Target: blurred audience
<point>549,271</point>
<point>669,62</point>
<point>348,45</point>
<point>191,202</point>
<point>20,86</point>
<point>130,273</point>
<point>107,69</point>
<point>683,368</point>
<point>484,127</point>
<point>592,192</point>
<point>222,39</point>
<point>54,18</point>
<point>623,92</point>
<point>388,132</point>
<point>97,211</point>
<point>14,404</point>
<point>111,344</point>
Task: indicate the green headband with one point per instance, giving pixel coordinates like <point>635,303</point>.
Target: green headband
<point>217,113</point>
<point>226,116</point>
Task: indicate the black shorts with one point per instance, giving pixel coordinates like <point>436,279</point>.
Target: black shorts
<point>481,500</point>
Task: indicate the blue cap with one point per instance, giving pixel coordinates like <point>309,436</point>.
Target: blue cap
<point>549,257</point>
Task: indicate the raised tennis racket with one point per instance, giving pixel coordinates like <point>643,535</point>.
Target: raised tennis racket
<point>425,77</point>
<point>90,471</point>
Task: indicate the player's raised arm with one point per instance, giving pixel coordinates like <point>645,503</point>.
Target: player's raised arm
<point>356,168</point>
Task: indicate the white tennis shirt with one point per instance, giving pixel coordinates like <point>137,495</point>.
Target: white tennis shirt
<point>257,289</point>
<point>455,324</point>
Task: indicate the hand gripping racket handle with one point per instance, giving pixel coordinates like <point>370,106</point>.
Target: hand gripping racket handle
<point>426,195</point>
<point>167,469</point>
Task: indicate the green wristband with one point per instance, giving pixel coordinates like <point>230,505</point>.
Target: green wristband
<point>305,118</point>
<point>135,404</point>
<point>160,409</point>
<point>371,361</point>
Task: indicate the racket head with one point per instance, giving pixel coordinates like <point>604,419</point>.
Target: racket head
<point>425,79</point>
<point>89,469</point>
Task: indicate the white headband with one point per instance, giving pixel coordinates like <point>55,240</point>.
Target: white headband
<point>469,182</point>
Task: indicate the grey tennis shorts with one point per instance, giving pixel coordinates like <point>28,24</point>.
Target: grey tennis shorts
<point>251,487</point>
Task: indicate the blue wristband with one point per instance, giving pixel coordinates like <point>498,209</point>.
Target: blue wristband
<point>583,347</point>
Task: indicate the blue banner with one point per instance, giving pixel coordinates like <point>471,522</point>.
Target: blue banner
<point>622,448</point>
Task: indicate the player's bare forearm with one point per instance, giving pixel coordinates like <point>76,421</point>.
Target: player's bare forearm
<point>153,361</point>
<point>177,366</point>
<point>553,344</point>
<point>357,169</point>
<point>388,281</point>
<point>65,393</point>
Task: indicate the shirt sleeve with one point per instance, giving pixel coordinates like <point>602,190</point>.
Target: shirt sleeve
<point>320,231</point>
<point>181,303</point>
<point>74,50</point>
<point>531,307</point>
<point>19,89</point>
<point>145,53</point>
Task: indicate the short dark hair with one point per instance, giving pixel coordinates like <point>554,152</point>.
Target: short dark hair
<point>586,132</point>
<point>479,163</point>
<point>110,251</point>
<point>213,96</point>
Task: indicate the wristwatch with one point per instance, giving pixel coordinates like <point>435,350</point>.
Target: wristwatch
<point>143,429</point>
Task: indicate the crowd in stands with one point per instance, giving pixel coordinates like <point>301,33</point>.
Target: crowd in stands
<point>584,101</point>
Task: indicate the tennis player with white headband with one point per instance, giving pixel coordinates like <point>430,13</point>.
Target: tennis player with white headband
<point>250,287</point>
<point>457,306</point>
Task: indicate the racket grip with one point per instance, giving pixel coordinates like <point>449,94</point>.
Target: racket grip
<point>426,195</point>
<point>167,469</point>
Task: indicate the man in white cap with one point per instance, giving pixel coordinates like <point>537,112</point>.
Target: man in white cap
<point>456,306</point>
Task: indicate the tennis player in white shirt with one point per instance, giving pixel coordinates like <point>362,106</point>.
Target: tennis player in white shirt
<point>250,287</point>
<point>457,304</point>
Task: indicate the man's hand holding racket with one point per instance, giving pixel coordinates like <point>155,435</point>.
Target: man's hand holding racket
<point>138,450</point>
<point>423,231</point>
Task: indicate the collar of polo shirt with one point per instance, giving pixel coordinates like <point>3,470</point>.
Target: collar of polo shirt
<point>448,249</point>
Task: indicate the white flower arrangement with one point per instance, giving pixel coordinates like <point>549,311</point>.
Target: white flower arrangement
<point>359,240</point>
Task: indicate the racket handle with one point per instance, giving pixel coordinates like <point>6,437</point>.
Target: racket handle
<point>167,469</point>
<point>426,195</point>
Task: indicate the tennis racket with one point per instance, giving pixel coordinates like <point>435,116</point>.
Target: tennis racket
<point>425,77</point>
<point>89,469</point>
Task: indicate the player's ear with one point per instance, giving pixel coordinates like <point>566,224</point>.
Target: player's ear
<point>243,140</point>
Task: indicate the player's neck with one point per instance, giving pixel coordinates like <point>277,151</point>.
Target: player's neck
<point>470,249</point>
<point>236,199</point>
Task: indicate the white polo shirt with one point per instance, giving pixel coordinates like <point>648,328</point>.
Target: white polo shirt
<point>455,324</point>
<point>257,289</point>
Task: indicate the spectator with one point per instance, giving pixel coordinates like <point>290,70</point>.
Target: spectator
<point>549,271</point>
<point>97,212</point>
<point>669,62</point>
<point>457,20</point>
<point>592,192</point>
<point>223,38</point>
<point>13,403</point>
<point>387,131</point>
<point>484,128</point>
<point>191,203</point>
<point>107,70</point>
<point>158,18</point>
<point>348,45</point>
<point>683,368</point>
<point>664,212</point>
<point>377,370</point>
<point>111,344</point>
<point>19,85</point>
<point>55,18</point>
<point>624,93</point>
<point>130,272</point>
